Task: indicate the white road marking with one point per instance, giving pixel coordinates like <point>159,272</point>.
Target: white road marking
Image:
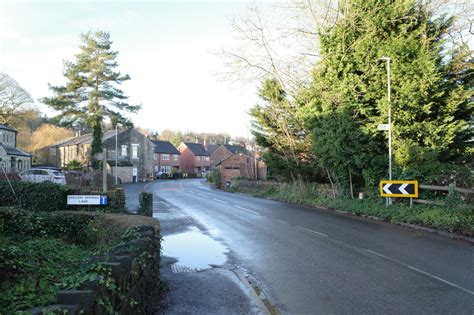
<point>311,231</point>
<point>202,195</point>
<point>248,210</point>
<point>192,192</point>
<point>421,271</point>
<point>218,200</point>
<point>284,222</point>
<point>164,203</point>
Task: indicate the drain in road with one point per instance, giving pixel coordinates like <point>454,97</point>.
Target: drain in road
<point>194,251</point>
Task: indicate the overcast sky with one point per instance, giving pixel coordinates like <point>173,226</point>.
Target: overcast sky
<point>163,45</point>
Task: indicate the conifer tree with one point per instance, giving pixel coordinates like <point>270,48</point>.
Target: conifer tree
<point>91,93</point>
<point>430,110</point>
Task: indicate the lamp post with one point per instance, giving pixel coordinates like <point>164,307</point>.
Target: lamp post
<point>387,59</point>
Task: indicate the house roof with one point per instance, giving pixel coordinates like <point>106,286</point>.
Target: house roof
<point>5,127</point>
<point>164,147</point>
<point>14,151</point>
<point>197,148</point>
<point>211,148</point>
<point>236,149</point>
<point>86,139</point>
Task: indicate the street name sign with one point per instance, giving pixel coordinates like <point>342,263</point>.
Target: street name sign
<point>383,127</point>
<point>399,188</point>
<point>86,200</point>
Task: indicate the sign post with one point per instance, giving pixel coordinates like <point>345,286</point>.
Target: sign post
<point>399,188</point>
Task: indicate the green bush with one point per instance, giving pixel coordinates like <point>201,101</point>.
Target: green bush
<point>31,270</point>
<point>214,177</point>
<point>145,200</point>
<point>72,227</point>
<point>34,196</point>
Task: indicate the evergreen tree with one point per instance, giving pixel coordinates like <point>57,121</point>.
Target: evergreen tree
<point>430,112</point>
<point>277,128</point>
<point>91,94</point>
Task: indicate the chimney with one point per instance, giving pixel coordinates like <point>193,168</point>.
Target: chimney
<point>205,144</point>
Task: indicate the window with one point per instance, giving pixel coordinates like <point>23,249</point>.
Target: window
<point>155,156</point>
<point>134,151</point>
<point>124,150</point>
<point>175,157</point>
<point>165,157</point>
<point>166,169</point>
<point>198,158</point>
<point>206,158</point>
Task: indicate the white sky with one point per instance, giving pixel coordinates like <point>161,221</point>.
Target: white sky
<point>163,45</point>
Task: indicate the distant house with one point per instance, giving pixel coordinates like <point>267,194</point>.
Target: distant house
<point>12,159</point>
<point>134,155</point>
<point>166,157</point>
<point>194,158</point>
<point>210,148</point>
<point>241,166</point>
<point>225,151</point>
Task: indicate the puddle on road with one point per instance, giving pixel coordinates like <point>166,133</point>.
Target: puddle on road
<point>194,250</point>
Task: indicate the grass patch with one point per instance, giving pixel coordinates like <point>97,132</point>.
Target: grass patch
<point>459,219</point>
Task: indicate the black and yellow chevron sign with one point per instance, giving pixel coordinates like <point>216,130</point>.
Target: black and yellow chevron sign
<point>399,188</point>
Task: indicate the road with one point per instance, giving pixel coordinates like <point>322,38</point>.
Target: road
<point>312,261</point>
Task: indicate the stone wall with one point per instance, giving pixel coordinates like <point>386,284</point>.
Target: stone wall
<point>130,281</point>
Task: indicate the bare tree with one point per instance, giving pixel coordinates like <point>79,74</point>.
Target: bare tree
<point>278,41</point>
<point>12,98</point>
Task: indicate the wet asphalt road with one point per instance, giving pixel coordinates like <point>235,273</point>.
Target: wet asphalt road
<point>311,261</point>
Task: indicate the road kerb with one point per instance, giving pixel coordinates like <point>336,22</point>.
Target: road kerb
<point>247,284</point>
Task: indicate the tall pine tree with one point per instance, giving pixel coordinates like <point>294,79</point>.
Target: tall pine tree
<point>91,93</point>
<point>430,110</point>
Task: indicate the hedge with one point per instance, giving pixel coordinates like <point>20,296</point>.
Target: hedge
<point>146,204</point>
<point>34,196</point>
<point>47,197</point>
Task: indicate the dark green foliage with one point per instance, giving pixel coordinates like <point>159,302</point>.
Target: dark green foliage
<point>430,109</point>
<point>214,177</point>
<point>117,201</point>
<point>91,93</point>
<point>31,270</point>
<point>277,128</point>
<point>145,200</point>
<point>73,165</point>
<point>34,196</point>
<point>72,227</point>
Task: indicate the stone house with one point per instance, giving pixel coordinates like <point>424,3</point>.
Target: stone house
<point>194,158</point>
<point>166,157</point>
<point>134,156</point>
<point>225,151</point>
<point>12,159</point>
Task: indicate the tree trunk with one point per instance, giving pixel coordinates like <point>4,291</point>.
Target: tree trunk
<point>350,184</point>
<point>332,184</point>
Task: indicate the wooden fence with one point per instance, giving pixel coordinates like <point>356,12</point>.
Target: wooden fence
<point>451,187</point>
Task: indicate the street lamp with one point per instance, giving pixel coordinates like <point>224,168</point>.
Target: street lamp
<point>387,59</point>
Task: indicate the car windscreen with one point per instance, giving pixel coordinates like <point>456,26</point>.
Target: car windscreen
<point>56,173</point>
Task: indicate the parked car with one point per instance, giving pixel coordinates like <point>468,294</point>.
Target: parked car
<point>41,175</point>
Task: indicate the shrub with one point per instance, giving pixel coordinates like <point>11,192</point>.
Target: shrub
<point>146,204</point>
<point>34,196</point>
<point>214,177</point>
<point>117,201</point>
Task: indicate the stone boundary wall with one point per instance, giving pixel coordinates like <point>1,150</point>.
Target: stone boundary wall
<point>250,186</point>
<point>130,282</point>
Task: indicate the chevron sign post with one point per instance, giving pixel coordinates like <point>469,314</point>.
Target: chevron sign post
<point>399,188</point>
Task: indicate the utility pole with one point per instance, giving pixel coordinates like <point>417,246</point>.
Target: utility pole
<point>387,59</point>
<point>116,155</point>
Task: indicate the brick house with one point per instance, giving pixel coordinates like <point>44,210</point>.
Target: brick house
<point>166,157</point>
<point>241,166</point>
<point>12,159</point>
<point>194,158</point>
<point>225,151</point>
